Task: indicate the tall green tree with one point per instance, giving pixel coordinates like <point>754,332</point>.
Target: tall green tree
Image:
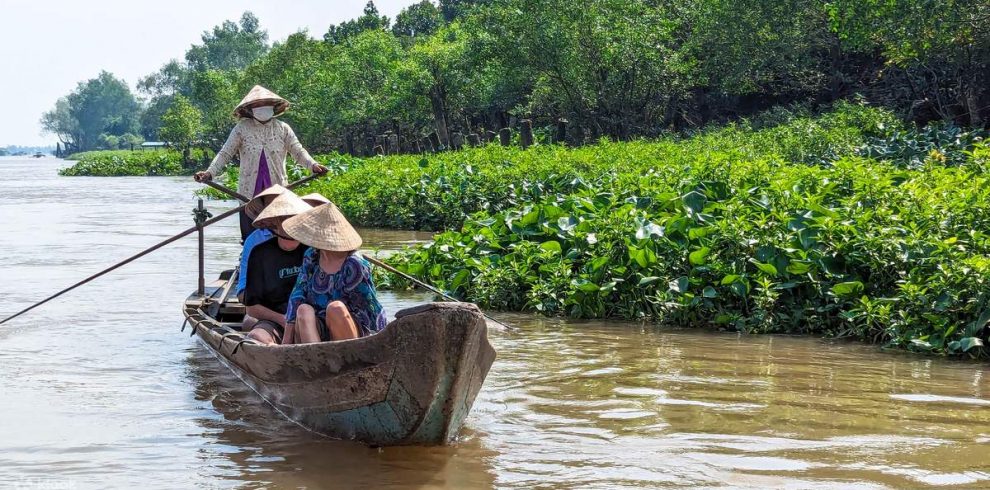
<point>62,123</point>
<point>452,9</point>
<point>215,94</point>
<point>371,20</point>
<point>151,116</point>
<point>182,126</point>
<point>293,69</point>
<point>229,46</point>
<point>102,105</point>
<point>418,20</point>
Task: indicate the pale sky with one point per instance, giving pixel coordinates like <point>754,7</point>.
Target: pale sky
<point>48,46</point>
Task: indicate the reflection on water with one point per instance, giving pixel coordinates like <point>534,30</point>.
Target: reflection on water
<point>100,388</point>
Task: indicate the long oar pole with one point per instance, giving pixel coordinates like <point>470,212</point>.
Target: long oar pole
<point>228,190</point>
<point>122,263</point>
<point>142,254</point>
<point>424,285</point>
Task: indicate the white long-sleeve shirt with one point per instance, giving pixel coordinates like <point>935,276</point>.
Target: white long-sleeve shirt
<point>248,138</point>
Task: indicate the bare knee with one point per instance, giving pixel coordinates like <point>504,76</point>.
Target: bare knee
<point>305,311</point>
<point>337,308</point>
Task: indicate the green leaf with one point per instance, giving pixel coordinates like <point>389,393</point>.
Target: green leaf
<point>709,292</point>
<point>567,223</point>
<point>798,268</point>
<point>551,245</point>
<point>766,268</point>
<point>638,255</point>
<point>695,201</point>
<point>679,285</point>
<point>584,285</point>
<point>598,263</point>
<point>976,327</point>
<point>648,280</point>
<point>698,256</point>
<point>729,279</point>
<point>530,218</point>
<point>969,342</point>
<point>459,279</point>
<point>741,288</point>
<point>846,289</point>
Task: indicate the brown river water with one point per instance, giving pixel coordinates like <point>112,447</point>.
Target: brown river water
<point>100,389</point>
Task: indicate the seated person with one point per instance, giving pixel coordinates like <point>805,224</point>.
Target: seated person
<point>252,209</point>
<point>334,298</point>
<point>260,235</point>
<point>272,270</point>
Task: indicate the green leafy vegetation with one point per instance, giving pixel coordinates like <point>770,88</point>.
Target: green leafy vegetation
<point>777,229</point>
<point>117,163</point>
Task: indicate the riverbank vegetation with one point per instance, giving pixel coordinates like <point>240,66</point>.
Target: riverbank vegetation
<point>845,225</point>
<point>117,163</point>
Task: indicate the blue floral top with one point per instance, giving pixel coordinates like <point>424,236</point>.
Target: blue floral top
<point>350,285</point>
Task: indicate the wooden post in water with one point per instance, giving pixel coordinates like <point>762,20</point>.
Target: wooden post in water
<point>200,219</point>
<point>561,137</point>
<point>505,136</point>
<point>393,143</point>
<point>526,133</point>
<point>369,145</point>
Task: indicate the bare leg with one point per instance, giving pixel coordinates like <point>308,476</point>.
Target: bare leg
<point>263,336</point>
<point>248,323</point>
<point>340,323</point>
<point>306,330</point>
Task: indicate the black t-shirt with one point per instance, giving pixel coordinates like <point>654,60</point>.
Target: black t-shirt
<point>272,274</point>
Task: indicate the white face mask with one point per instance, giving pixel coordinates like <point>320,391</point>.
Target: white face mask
<point>264,113</point>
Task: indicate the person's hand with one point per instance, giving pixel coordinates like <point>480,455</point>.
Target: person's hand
<point>202,176</point>
<point>319,169</point>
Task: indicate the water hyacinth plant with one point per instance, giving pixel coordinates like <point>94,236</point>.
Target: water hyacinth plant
<point>728,236</point>
<point>117,163</point>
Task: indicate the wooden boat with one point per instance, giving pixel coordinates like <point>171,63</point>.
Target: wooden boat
<point>413,383</point>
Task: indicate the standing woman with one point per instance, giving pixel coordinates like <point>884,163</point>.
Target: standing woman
<point>261,142</point>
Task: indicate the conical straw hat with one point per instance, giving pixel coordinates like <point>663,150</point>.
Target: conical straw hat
<point>284,206</point>
<point>254,206</point>
<point>260,96</point>
<point>315,199</point>
<point>323,227</point>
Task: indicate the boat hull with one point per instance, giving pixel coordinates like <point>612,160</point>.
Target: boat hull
<point>413,383</point>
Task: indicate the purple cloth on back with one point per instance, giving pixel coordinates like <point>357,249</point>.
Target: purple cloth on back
<point>264,179</point>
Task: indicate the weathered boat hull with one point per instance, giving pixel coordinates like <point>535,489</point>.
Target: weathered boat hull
<point>413,383</point>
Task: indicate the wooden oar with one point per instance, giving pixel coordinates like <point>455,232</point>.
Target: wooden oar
<point>228,190</point>
<point>424,285</point>
<point>143,253</point>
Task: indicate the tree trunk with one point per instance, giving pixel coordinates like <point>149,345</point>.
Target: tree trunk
<point>973,107</point>
<point>439,105</point>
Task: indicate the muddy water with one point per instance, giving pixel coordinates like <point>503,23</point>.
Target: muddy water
<point>100,389</point>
